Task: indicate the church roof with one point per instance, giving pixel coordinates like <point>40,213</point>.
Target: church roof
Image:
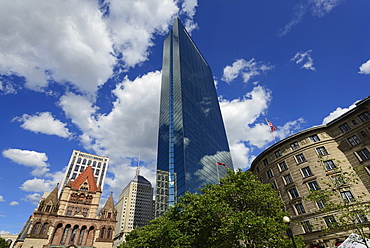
<point>86,175</point>
<point>109,204</point>
<point>53,196</point>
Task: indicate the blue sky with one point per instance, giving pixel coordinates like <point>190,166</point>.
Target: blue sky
<point>86,75</point>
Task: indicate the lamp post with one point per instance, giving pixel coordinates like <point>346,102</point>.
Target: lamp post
<point>289,232</point>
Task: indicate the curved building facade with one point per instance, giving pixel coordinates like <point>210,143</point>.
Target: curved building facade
<point>305,161</point>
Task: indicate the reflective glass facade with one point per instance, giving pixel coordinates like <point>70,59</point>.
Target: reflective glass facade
<point>192,136</point>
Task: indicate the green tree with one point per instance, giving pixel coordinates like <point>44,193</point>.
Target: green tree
<point>344,210</point>
<point>3,243</point>
<point>240,212</point>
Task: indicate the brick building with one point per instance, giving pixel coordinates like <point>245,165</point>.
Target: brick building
<point>71,220</point>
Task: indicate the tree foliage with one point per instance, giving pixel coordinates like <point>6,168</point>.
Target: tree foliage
<point>240,212</point>
<point>3,243</point>
<point>349,212</point>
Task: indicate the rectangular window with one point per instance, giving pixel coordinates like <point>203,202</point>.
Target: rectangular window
<point>354,140</point>
<point>330,221</point>
<point>313,185</point>
<point>364,154</point>
<point>288,179</point>
<point>338,180</point>
<point>320,203</point>
<point>329,164</point>
<point>358,217</point>
<point>307,227</point>
<point>294,146</point>
<point>321,151</point>
<point>278,154</point>
<point>282,166</point>
<point>269,173</point>
<point>347,196</point>
<point>314,138</point>
<point>293,193</point>
<point>354,122</point>
<point>300,158</point>
<point>364,116</point>
<point>274,186</point>
<point>344,128</point>
<point>299,208</point>
<point>306,171</point>
<point>265,162</point>
<point>363,134</point>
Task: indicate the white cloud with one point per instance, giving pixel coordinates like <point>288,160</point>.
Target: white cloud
<point>44,123</point>
<point>241,117</point>
<point>45,184</point>
<point>33,198</point>
<point>247,69</point>
<point>79,42</point>
<point>338,112</point>
<point>33,159</point>
<point>365,68</point>
<point>7,88</point>
<point>322,7</point>
<point>305,59</point>
<point>1,198</point>
<point>14,203</point>
<point>318,8</point>
<point>137,132</point>
<point>62,40</point>
<point>4,232</point>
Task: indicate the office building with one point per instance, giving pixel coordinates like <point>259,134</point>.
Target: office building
<point>79,162</point>
<point>134,207</point>
<point>316,158</point>
<point>192,137</point>
<point>73,219</point>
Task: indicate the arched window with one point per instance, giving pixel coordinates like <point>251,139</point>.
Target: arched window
<point>82,232</point>
<point>94,164</point>
<point>48,207</point>
<point>89,198</point>
<point>102,232</point>
<point>78,160</point>
<point>99,164</point>
<point>81,198</point>
<point>73,235</point>
<point>64,236</point>
<point>43,229</point>
<point>73,196</point>
<point>109,233</point>
<point>36,227</point>
<point>89,162</point>
<point>84,161</point>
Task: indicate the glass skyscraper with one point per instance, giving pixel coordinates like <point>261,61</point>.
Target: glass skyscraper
<point>192,137</point>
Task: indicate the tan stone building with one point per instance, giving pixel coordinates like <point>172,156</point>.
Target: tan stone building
<point>72,220</point>
<point>303,162</point>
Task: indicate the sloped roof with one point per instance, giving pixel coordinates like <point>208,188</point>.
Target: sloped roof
<point>109,204</point>
<point>53,196</point>
<point>86,175</point>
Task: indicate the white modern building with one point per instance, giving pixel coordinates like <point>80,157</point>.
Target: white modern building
<point>78,163</point>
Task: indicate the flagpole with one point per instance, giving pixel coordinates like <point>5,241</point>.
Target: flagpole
<point>218,174</point>
<point>273,137</point>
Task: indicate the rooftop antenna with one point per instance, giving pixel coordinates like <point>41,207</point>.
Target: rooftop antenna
<point>138,167</point>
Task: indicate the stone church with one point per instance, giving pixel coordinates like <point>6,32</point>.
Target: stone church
<point>71,220</point>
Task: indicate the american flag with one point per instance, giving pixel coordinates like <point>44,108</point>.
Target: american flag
<point>272,127</point>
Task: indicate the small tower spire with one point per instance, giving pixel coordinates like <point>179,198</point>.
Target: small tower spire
<point>138,167</point>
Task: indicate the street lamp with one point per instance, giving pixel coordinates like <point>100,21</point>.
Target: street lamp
<point>289,232</point>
